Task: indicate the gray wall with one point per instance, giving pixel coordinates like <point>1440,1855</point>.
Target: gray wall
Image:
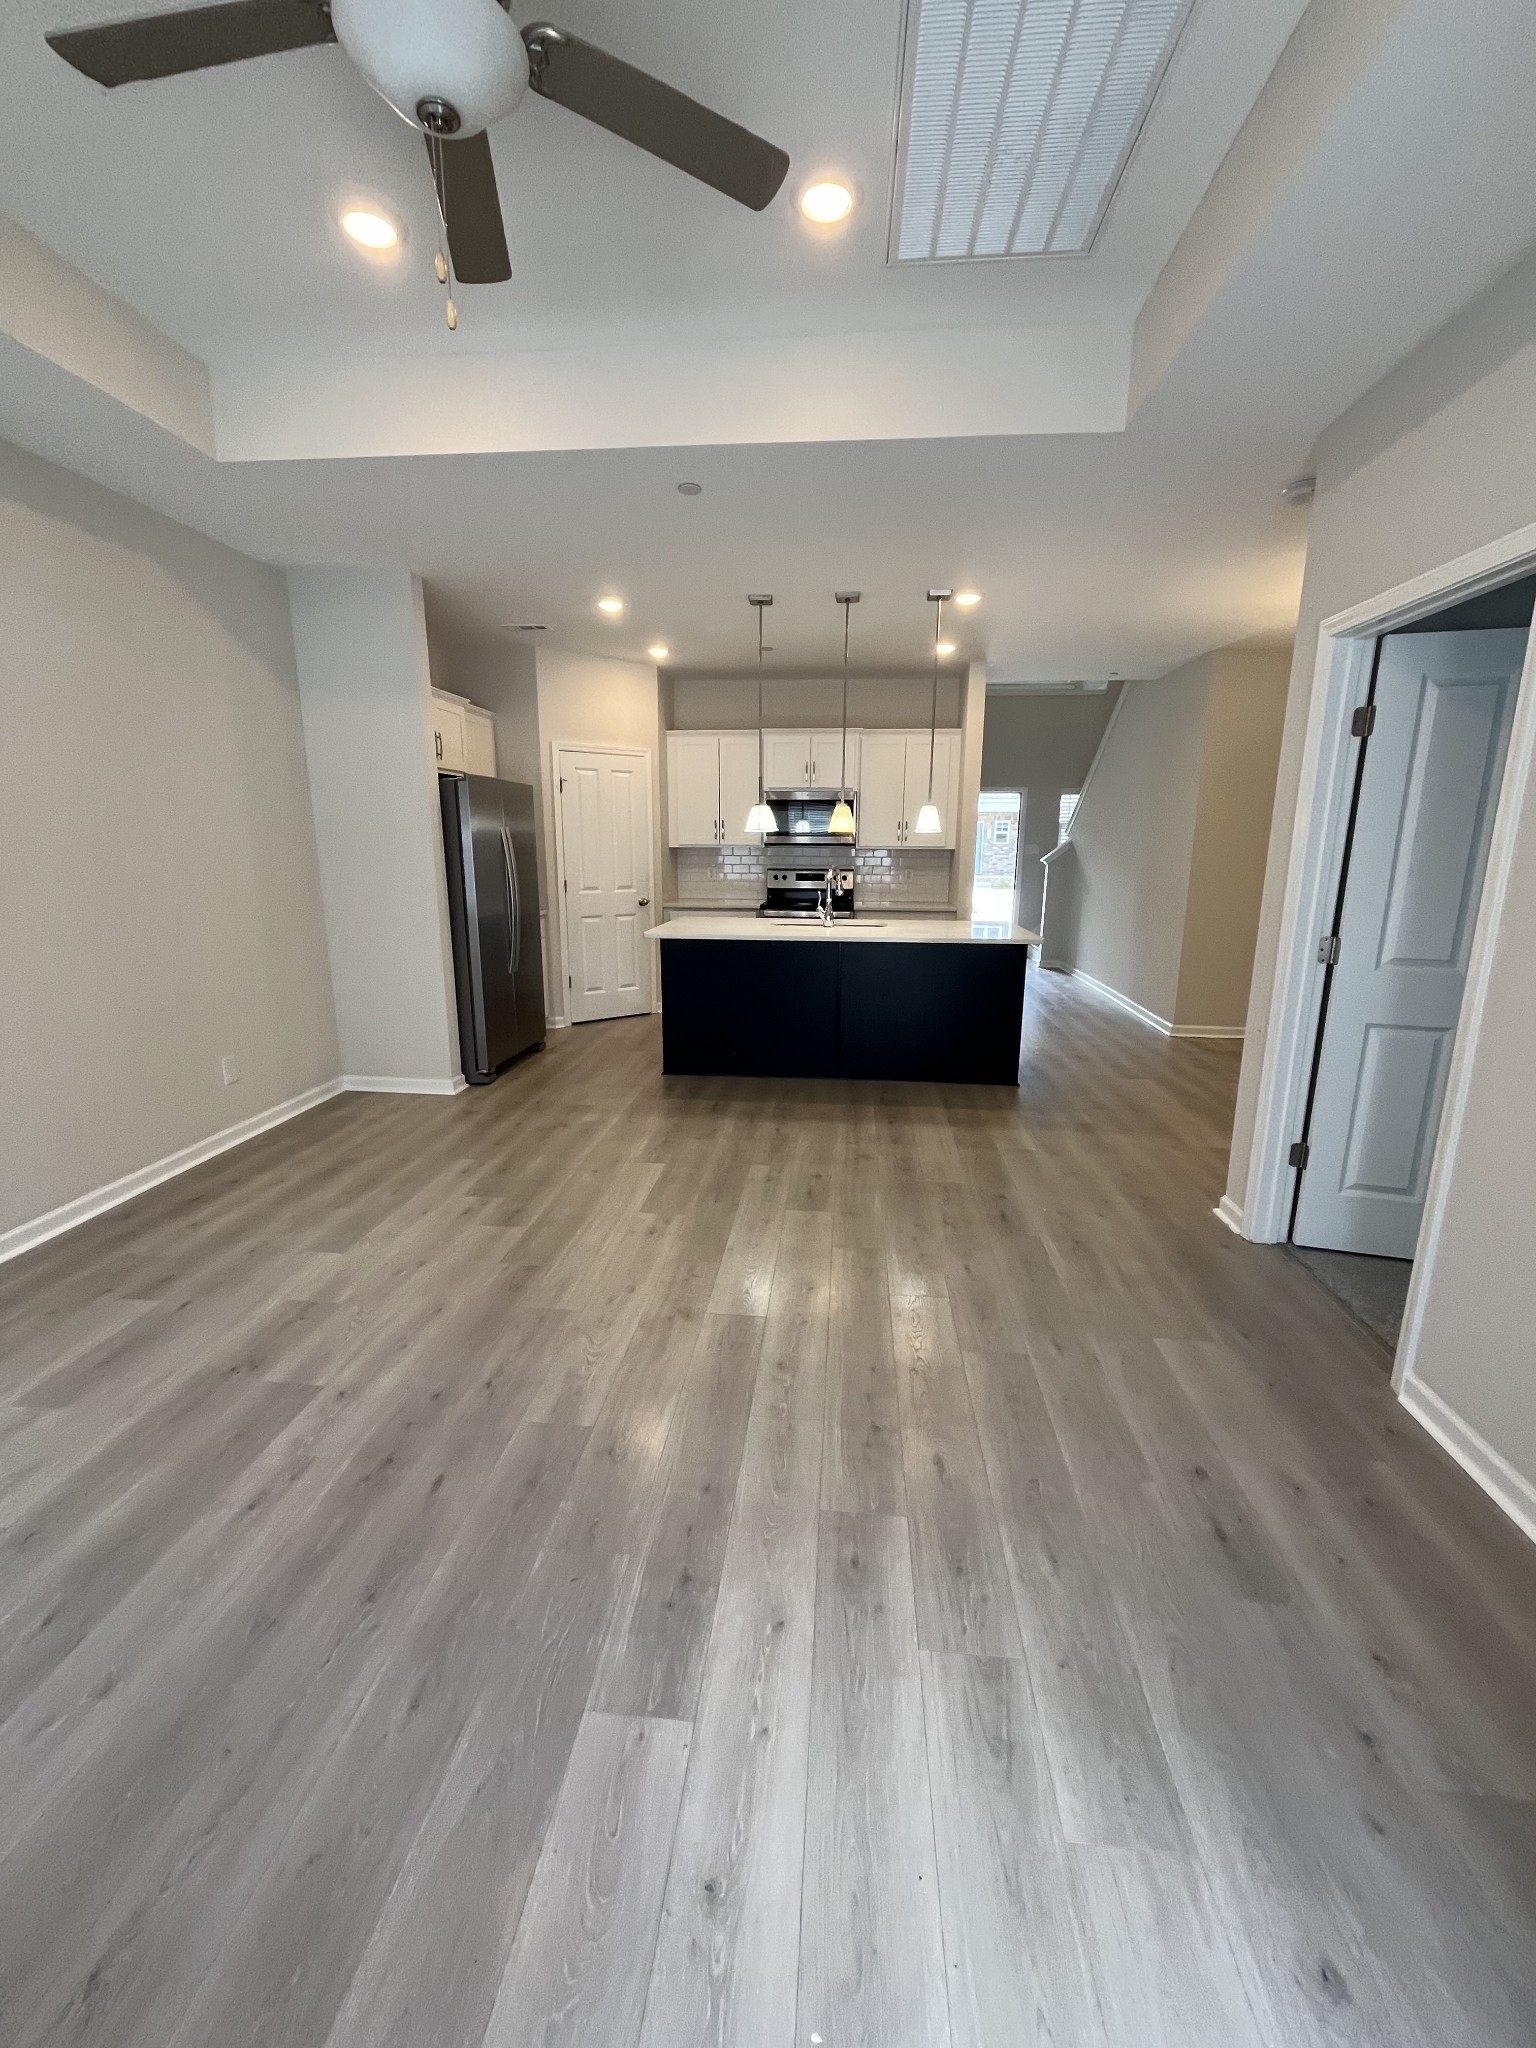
<point>1041,744</point>
<point>1044,740</point>
<point>1439,459</point>
<point>1245,712</point>
<point>703,702</point>
<point>160,902</point>
<point>1163,884</point>
<point>1132,839</point>
<point>361,647</point>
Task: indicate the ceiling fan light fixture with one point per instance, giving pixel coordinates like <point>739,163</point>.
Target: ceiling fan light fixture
<point>371,230</point>
<point>463,54</point>
<point>826,201</point>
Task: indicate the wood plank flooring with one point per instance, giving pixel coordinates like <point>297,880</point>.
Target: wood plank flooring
<point>614,1561</point>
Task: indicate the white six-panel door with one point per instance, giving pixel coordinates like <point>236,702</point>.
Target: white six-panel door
<point>1444,702</point>
<point>604,798</point>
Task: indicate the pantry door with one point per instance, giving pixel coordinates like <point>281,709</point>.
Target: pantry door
<point>603,797</point>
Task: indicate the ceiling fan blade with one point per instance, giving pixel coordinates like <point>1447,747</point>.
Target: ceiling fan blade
<point>192,39</point>
<point>655,117</point>
<point>471,208</point>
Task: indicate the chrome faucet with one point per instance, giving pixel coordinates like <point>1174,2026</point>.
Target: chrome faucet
<point>824,895</point>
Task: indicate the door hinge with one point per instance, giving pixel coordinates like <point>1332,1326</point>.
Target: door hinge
<point>562,785</point>
<point>565,885</point>
<point>1300,1153</point>
<point>1363,724</point>
<point>569,982</point>
<point>1328,951</point>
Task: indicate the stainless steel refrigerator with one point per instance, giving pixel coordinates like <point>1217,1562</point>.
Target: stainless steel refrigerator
<point>493,904</point>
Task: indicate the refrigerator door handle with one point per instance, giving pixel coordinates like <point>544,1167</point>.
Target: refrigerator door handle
<point>514,902</point>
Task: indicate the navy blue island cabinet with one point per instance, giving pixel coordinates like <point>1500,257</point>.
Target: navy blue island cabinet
<point>890,1002</point>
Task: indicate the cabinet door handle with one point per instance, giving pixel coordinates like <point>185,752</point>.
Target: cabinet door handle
<point>438,742</point>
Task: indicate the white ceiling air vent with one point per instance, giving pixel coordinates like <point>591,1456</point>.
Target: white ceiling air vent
<point>1017,120</point>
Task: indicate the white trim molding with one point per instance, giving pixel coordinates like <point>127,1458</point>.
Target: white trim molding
<point>402,1084</point>
<point>1506,1487</point>
<point>1145,1016</point>
<point>1226,1211</point>
<point>69,1215</point>
<point>1340,678</point>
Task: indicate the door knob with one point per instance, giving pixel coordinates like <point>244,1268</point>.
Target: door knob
<point>644,900</point>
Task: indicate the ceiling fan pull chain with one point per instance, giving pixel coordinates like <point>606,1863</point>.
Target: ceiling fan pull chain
<point>440,260</point>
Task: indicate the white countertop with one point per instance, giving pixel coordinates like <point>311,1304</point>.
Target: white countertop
<point>895,931</point>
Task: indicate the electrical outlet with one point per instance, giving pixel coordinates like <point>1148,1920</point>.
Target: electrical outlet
<point>229,1070</point>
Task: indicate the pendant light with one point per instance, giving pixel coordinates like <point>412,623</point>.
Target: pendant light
<point>760,818</point>
<point>928,823</point>
<point>841,820</point>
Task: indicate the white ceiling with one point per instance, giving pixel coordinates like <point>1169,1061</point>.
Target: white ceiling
<point>1384,177</point>
<point>210,202</point>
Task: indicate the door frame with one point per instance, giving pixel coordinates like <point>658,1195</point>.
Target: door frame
<point>1340,679</point>
<point>556,749</point>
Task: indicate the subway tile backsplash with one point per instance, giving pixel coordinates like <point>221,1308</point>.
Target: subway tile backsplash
<point>896,877</point>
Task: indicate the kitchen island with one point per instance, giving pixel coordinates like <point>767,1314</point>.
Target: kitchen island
<point>866,999</point>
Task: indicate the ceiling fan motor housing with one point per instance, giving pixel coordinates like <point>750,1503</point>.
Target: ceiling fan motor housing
<point>465,54</point>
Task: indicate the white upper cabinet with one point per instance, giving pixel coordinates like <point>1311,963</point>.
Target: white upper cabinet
<point>711,786</point>
<point>738,787</point>
<point>786,760</point>
<point>446,737</point>
<point>693,789</point>
<point>479,741</point>
<point>809,760</point>
<point>827,759</point>
<point>882,788</point>
<point>893,786</point>
<point>461,737</point>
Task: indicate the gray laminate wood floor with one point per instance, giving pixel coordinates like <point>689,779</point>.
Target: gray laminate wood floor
<point>607,1561</point>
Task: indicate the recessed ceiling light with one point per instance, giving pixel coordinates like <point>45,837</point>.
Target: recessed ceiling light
<point>946,647</point>
<point>1019,119</point>
<point>967,597</point>
<point>659,651</point>
<point>690,490</point>
<point>610,607</point>
<point>370,230</point>
<point>826,202</point>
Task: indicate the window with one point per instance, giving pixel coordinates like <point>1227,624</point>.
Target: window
<point>1064,819</point>
<point>995,878</point>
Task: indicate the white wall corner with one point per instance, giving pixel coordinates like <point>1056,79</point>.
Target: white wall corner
<point>1509,1489</point>
<point>65,318</point>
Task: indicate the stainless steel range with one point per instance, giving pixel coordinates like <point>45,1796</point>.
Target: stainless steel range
<point>810,869</point>
<point>819,879</point>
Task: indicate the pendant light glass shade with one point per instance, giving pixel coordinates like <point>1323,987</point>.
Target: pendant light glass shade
<point>841,820</point>
<point>927,824</point>
<point>759,818</point>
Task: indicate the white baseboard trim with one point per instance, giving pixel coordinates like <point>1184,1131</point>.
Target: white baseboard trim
<point>1506,1487</point>
<point>557,1023</point>
<point>71,1214</point>
<point>1227,1211</point>
<point>1145,1016</point>
<point>1162,1024</point>
<point>401,1084</point>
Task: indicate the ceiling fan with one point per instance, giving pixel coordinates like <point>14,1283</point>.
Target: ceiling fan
<point>451,68</point>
